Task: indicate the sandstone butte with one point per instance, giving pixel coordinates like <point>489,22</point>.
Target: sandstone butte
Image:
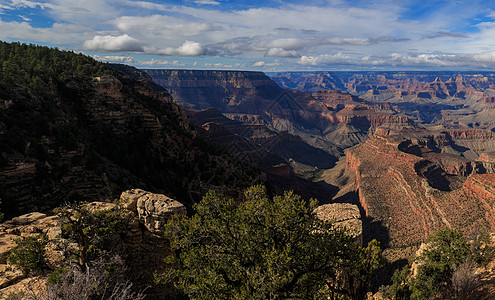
<point>412,191</point>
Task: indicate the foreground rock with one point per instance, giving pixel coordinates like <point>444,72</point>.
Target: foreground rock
<point>142,245</point>
<point>153,210</point>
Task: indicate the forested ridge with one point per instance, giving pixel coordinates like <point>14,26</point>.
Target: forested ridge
<point>75,129</point>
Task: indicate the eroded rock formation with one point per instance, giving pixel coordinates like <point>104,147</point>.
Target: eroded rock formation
<point>142,246</point>
<point>405,182</point>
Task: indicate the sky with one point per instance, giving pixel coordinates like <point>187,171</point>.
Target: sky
<point>268,35</point>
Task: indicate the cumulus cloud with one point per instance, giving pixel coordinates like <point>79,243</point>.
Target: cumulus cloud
<point>487,57</point>
<point>324,59</point>
<point>113,43</point>
<point>266,64</point>
<point>160,63</point>
<point>218,65</point>
<point>163,26</point>
<point>279,52</point>
<point>394,59</point>
<point>318,35</point>
<point>189,48</point>
<point>114,59</point>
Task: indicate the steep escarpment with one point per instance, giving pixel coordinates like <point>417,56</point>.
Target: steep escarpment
<point>223,90</point>
<point>412,189</point>
<point>282,156</point>
<point>329,120</point>
<point>72,129</point>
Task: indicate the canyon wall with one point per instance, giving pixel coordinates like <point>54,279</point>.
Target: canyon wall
<point>412,189</point>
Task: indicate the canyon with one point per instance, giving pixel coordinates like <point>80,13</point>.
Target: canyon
<point>451,99</point>
<point>402,146</point>
<point>393,156</point>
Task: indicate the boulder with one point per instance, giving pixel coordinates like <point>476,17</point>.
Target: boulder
<point>153,210</point>
<point>27,218</point>
<point>6,243</point>
<point>129,198</point>
<point>100,206</point>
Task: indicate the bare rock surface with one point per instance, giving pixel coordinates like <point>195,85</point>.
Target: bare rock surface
<point>153,209</point>
<point>343,215</point>
<point>143,246</point>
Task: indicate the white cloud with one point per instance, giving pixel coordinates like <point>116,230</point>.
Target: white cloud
<point>162,26</point>
<point>279,52</point>
<point>123,43</point>
<point>324,59</point>
<point>487,57</point>
<point>189,48</point>
<point>217,65</point>
<point>25,19</point>
<point>332,33</point>
<point>207,2</point>
<point>265,64</point>
<point>115,59</point>
<point>160,63</point>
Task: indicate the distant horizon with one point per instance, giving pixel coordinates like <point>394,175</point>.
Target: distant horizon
<point>268,36</point>
<point>336,71</point>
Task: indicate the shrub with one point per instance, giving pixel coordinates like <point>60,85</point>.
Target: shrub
<point>56,276</point>
<point>446,268</point>
<point>88,229</point>
<point>263,248</point>
<point>29,254</point>
<point>103,279</point>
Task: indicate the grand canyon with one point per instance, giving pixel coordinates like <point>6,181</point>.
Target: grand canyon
<point>413,150</point>
<point>396,156</point>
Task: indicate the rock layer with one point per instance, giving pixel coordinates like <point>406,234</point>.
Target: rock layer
<point>413,193</point>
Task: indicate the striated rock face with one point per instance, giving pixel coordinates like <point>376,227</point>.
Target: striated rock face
<point>279,154</point>
<point>345,215</point>
<point>153,209</point>
<point>329,120</point>
<point>488,157</point>
<point>411,188</point>
<point>197,89</point>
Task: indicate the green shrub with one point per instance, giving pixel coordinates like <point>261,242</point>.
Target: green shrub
<point>265,248</point>
<point>88,229</point>
<point>29,254</point>
<point>56,276</point>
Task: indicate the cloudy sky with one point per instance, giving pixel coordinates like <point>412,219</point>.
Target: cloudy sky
<point>266,35</point>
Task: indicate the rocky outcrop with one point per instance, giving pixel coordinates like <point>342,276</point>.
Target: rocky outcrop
<point>343,215</point>
<point>487,157</point>
<point>142,246</point>
<point>153,210</point>
<point>11,279</point>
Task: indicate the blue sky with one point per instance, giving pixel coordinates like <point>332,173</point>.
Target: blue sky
<point>268,35</point>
